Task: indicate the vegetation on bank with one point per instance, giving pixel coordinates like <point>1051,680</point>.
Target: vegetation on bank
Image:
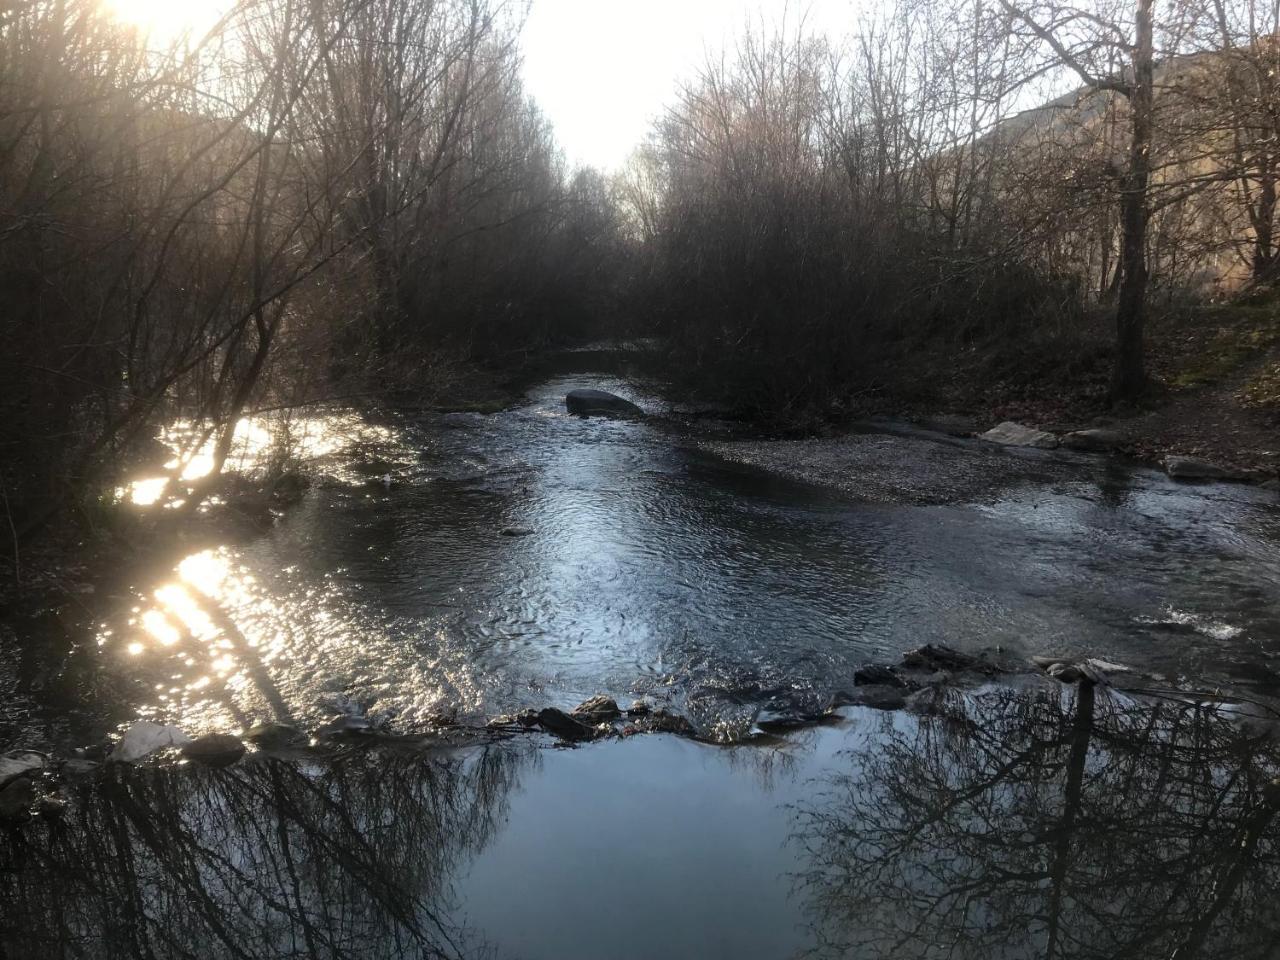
<point>997,207</point>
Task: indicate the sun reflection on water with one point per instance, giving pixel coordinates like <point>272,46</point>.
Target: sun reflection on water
<point>222,649</point>
<point>260,442</point>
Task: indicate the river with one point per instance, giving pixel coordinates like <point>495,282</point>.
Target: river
<point>468,565</point>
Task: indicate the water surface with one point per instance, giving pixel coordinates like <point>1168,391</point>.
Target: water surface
<point>473,565</point>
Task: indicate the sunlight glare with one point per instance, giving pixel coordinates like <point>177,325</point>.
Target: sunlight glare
<point>167,20</point>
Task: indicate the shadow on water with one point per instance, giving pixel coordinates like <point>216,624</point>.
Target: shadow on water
<point>272,858</point>
<point>1075,826</point>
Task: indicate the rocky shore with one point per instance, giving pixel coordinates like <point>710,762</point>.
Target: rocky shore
<point>36,784</point>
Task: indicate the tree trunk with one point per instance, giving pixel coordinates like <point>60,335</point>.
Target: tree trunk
<point>1128,376</point>
<point>1264,253</point>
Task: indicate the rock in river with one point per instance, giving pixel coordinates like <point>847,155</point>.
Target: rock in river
<point>599,403</point>
<point>562,725</point>
<point>19,763</point>
<point>144,738</point>
<point>1017,435</point>
<point>874,674</point>
<point>599,709</point>
<point>215,749</point>
<point>274,736</point>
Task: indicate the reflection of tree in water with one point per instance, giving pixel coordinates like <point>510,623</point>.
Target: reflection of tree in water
<point>1080,825</point>
<point>353,858</point>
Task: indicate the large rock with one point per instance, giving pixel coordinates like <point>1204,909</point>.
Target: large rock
<point>599,403</point>
<point>1099,438</point>
<point>1017,435</point>
<point>599,709</point>
<point>1189,468</point>
<point>274,736</point>
<point>19,763</point>
<point>144,738</point>
<point>664,721</point>
<point>214,749</point>
<point>562,725</point>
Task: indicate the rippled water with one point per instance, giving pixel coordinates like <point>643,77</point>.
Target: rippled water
<point>651,559</point>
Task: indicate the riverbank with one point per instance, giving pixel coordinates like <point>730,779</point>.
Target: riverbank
<point>1215,392</point>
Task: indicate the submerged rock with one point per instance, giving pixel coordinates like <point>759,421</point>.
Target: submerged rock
<point>1189,468</point>
<point>599,709</point>
<point>516,531</point>
<point>144,738</point>
<point>214,749</point>
<point>1018,435</point>
<point>588,403</point>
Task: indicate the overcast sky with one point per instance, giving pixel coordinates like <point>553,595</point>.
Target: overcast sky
<point>603,69</point>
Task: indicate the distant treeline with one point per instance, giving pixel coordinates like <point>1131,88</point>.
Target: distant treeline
<point>815,209</point>
<point>338,197</point>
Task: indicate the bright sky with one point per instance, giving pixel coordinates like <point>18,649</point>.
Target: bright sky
<point>603,69</point>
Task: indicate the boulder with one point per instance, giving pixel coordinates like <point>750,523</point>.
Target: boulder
<point>599,403</point>
<point>598,709</point>
<point>1189,468</point>
<point>214,749</point>
<point>1017,435</point>
<point>1099,439</point>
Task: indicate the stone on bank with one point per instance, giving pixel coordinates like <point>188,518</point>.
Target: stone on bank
<point>1019,435</point>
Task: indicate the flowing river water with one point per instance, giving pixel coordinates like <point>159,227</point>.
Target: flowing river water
<point>470,565</point>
